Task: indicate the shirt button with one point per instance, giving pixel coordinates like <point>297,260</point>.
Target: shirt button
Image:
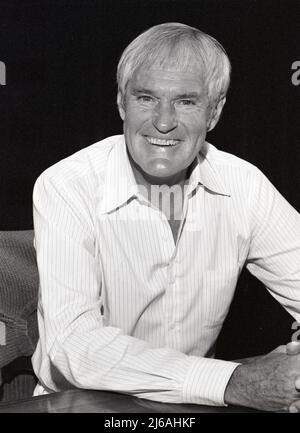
<point>172,326</point>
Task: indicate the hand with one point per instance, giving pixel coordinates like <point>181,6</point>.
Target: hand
<point>268,382</point>
<point>292,348</point>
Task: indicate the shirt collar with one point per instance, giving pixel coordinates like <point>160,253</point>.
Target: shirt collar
<point>206,172</point>
<point>119,180</point>
<point>120,184</point>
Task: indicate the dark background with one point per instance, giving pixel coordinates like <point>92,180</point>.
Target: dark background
<point>60,96</point>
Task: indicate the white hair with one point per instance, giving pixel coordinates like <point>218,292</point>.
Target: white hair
<point>176,45</point>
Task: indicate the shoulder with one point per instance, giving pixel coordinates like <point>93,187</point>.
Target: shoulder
<point>228,161</point>
<point>85,166</point>
<point>234,171</point>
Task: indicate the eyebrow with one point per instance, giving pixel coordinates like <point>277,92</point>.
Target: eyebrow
<point>191,95</point>
<point>188,95</point>
<point>141,91</point>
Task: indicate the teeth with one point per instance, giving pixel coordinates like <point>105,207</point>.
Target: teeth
<point>162,142</point>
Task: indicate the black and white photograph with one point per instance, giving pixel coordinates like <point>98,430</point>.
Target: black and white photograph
<point>149,218</point>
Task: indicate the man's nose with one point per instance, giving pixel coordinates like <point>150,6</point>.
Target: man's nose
<point>164,118</point>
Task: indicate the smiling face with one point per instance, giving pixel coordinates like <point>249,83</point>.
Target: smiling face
<point>166,116</point>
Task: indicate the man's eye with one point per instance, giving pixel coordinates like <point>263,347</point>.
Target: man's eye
<point>186,102</point>
<point>145,98</point>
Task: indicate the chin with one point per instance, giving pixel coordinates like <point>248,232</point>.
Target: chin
<point>160,173</point>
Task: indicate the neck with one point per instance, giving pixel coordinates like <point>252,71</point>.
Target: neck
<point>146,180</point>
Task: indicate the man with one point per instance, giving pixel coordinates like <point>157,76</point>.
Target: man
<point>140,240</point>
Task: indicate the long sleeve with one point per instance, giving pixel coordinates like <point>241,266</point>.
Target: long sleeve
<point>77,348</point>
<point>274,254</point>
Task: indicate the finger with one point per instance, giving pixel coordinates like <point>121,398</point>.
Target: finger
<point>297,384</point>
<point>295,407</point>
<point>293,348</point>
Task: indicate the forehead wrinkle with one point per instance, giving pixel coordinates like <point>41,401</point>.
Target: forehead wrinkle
<point>166,82</point>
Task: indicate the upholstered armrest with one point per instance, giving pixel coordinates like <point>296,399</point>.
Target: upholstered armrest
<point>18,295</point>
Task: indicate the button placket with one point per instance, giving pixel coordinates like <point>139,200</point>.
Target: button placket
<point>173,328</point>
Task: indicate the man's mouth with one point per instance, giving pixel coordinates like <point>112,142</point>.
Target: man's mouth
<point>161,141</point>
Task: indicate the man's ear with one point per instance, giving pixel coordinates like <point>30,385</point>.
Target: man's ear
<point>120,102</point>
<point>215,114</point>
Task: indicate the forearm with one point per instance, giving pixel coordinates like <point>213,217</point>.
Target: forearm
<point>105,359</point>
<point>239,389</point>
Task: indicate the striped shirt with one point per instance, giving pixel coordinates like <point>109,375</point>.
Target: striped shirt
<point>123,307</point>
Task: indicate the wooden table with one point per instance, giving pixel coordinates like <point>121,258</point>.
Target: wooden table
<point>81,401</point>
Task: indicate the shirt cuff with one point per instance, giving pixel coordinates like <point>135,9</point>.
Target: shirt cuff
<point>206,381</point>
